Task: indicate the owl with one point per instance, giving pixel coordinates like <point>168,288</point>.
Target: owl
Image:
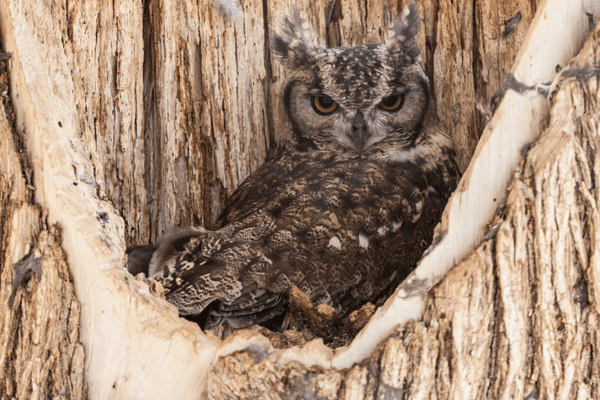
<point>344,210</point>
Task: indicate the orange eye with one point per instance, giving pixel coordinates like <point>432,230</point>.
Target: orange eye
<point>323,104</point>
<point>391,103</point>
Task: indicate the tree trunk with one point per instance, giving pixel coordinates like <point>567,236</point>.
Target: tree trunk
<point>121,120</point>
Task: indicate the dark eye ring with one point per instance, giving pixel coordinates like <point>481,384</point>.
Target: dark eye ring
<point>392,103</point>
<point>323,104</point>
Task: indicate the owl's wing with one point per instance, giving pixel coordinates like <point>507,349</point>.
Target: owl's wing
<point>197,267</point>
<point>245,268</point>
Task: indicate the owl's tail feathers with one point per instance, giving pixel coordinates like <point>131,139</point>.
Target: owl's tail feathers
<point>173,246</point>
<point>138,259</point>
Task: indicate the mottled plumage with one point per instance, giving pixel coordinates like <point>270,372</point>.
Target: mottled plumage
<point>343,210</point>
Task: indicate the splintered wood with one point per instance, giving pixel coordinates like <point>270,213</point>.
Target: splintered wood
<point>518,318</point>
<point>41,353</point>
<point>41,356</point>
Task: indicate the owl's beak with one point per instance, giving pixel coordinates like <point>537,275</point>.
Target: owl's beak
<point>359,134</point>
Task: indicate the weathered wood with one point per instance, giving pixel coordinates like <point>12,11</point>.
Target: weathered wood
<point>473,51</point>
<point>156,111</point>
<point>103,42</point>
<point>41,355</point>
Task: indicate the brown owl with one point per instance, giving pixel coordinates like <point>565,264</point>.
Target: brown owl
<point>342,211</point>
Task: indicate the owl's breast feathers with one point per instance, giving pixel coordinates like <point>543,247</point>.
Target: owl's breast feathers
<point>341,229</point>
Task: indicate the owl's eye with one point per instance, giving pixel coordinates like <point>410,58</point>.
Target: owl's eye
<point>323,104</point>
<point>391,103</point>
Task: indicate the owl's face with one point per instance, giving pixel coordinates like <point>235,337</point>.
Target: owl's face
<point>355,98</point>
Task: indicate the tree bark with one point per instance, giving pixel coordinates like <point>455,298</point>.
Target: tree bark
<point>122,120</point>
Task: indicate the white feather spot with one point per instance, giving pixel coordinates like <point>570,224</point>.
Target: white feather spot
<point>335,242</point>
<point>416,217</point>
<point>396,225</point>
<point>363,240</point>
<point>419,206</point>
<point>381,231</point>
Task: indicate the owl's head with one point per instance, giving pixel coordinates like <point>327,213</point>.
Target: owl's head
<point>355,97</point>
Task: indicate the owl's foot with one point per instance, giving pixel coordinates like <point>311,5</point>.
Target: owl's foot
<point>358,319</point>
<point>320,321</point>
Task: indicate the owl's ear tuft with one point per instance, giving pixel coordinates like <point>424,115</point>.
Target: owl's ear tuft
<point>292,46</point>
<point>402,36</point>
